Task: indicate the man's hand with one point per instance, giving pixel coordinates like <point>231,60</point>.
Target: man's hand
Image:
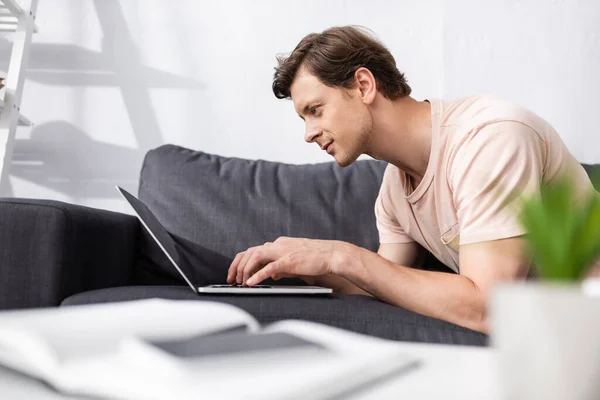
<point>286,257</point>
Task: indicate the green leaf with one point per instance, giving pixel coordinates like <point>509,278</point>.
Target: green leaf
<point>563,232</point>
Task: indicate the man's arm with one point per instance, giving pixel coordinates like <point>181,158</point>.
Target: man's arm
<point>460,299</point>
<point>594,270</point>
<point>398,253</point>
<point>406,254</point>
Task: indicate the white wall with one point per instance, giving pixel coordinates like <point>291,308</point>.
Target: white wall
<point>543,54</point>
<point>109,79</point>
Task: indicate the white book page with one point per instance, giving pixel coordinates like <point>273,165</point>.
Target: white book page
<point>84,331</point>
<point>349,363</point>
<point>339,340</point>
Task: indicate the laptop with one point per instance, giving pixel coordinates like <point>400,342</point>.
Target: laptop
<point>166,243</point>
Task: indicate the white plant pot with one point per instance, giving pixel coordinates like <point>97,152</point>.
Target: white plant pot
<point>547,338</point>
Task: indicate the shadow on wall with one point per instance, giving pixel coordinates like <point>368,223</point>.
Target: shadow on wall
<point>61,157</point>
<point>65,153</point>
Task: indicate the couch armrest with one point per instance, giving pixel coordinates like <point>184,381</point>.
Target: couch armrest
<point>50,250</point>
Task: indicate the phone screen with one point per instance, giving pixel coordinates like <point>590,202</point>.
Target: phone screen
<point>232,341</point>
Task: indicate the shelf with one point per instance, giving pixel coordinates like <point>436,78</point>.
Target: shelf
<point>18,18</point>
<point>10,14</point>
<point>23,120</point>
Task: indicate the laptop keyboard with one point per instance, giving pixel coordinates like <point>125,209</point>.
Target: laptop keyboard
<point>242,286</point>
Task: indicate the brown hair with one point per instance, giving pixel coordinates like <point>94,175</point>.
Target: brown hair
<point>334,55</point>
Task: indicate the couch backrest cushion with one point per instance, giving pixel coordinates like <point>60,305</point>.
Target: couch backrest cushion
<point>227,204</point>
<point>217,206</point>
<point>593,171</point>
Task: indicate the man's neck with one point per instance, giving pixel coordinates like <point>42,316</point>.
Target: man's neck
<point>402,135</point>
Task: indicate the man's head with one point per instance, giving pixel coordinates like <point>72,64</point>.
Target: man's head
<point>333,78</point>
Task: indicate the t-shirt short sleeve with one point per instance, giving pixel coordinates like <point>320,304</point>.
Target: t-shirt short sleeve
<point>492,169</point>
<point>390,230</point>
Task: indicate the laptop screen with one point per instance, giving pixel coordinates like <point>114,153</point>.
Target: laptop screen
<point>160,235</point>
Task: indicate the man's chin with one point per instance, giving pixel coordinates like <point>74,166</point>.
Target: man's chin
<point>344,161</point>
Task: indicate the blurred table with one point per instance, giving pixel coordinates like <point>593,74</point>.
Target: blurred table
<point>446,372</point>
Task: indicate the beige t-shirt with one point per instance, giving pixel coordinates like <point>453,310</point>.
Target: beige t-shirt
<point>484,151</point>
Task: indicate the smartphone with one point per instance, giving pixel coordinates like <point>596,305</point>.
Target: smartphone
<point>231,342</point>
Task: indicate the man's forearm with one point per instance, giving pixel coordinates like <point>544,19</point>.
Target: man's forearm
<point>340,285</point>
<point>337,283</point>
<point>441,295</point>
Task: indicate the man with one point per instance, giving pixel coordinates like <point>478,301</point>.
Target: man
<point>454,168</point>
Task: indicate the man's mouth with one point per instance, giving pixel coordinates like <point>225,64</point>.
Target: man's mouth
<point>329,148</point>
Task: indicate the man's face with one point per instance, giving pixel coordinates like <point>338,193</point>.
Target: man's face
<point>336,118</point>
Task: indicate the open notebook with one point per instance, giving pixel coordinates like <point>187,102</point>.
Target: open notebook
<point>109,350</point>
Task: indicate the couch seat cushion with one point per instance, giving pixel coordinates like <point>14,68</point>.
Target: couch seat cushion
<point>356,313</point>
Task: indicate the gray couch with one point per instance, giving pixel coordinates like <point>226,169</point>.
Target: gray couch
<point>54,253</point>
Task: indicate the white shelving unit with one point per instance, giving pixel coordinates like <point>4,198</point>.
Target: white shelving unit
<point>17,17</point>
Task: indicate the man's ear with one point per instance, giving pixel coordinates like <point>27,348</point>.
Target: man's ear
<point>366,85</point>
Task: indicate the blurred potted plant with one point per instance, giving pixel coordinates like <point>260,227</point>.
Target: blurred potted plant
<point>547,331</point>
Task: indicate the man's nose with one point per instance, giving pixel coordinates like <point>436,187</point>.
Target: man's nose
<point>311,133</point>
